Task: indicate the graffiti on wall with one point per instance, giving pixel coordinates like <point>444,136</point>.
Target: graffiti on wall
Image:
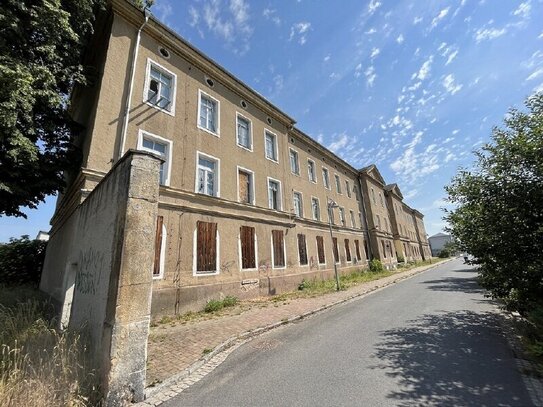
<point>89,273</point>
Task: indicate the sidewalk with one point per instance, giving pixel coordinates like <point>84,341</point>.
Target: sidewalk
<point>177,349</point>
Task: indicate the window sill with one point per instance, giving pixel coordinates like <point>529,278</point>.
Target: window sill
<point>216,134</point>
<point>170,112</point>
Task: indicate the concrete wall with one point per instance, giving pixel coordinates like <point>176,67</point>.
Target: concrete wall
<point>100,267</point>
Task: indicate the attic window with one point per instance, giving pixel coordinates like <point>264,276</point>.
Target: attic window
<point>292,140</point>
<point>164,52</point>
<point>210,82</point>
<point>269,120</point>
<point>243,104</point>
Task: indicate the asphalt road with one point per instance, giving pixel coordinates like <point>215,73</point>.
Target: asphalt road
<point>430,340</point>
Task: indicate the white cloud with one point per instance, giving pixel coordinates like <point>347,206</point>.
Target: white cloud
<point>400,39</point>
<point>164,10</point>
<point>448,140</point>
<point>326,58</point>
<point>455,131</point>
<point>439,17</point>
<point>300,30</point>
<point>425,69</point>
<point>488,34</point>
<point>449,157</point>
<point>375,52</point>
<point>540,36</point>
<point>417,20</point>
<point>535,74</point>
<point>271,15</point>
<point>358,71</point>
<point>370,75</point>
<point>194,16</point>
<point>452,55</point>
<point>539,88</point>
<point>340,143</point>
<point>373,6</point>
<point>523,10</point>
<point>412,165</point>
<point>371,31</point>
<point>450,86</point>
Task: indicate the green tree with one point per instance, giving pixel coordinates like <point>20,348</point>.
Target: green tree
<point>499,214</point>
<point>21,261</point>
<point>41,48</point>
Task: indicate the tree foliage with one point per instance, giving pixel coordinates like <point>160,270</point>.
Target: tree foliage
<point>41,46</point>
<point>499,214</point>
<point>21,261</point>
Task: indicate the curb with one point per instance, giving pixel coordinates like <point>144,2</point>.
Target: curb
<point>180,381</point>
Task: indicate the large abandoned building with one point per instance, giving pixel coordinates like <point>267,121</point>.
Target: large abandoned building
<point>245,197</point>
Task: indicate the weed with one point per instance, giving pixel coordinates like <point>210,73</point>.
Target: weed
<point>206,351</point>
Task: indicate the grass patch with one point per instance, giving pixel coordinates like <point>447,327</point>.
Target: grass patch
<point>217,305</point>
<point>40,365</point>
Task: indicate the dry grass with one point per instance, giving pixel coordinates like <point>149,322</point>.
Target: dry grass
<point>39,365</point>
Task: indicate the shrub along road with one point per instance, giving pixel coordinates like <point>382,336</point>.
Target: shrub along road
<point>433,339</point>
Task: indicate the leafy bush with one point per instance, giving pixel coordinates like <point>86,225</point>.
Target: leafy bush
<point>21,261</point>
<point>217,305</point>
<point>400,258</point>
<point>444,253</point>
<point>303,285</point>
<point>229,301</point>
<point>376,266</point>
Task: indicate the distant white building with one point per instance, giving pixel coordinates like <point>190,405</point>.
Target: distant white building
<point>42,236</point>
<point>437,242</point>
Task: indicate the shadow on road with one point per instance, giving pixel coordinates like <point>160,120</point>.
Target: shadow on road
<point>453,358</point>
<point>463,284</point>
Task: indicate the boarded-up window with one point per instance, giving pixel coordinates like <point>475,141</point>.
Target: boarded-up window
<point>347,250</point>
<point>245,186</point>
<point>320,250</point>
<point>206,247</point>
<point>302,250</point>
<point>278,248</point>
<point>247,237</point>
<point>336,251</point>
<point>357,248</point>
<point>158,245</point>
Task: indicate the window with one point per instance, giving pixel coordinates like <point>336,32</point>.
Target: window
<point>247,245</point>
<point>331,216</point>
<point>386,224</point>
<point>278,244</point>
<point>348,251</point>
<point>297,201</point>
<point>246,192</point>
<point>271,146</point>
<point>355,191</point>
<point>315,209</point>
<point>342,216</point>
<point>353,223</point>
<point>311,171</point>
<point>208,113</point>
<point>348,188</point>
<point>320,250</point>
<point>159,89</point>
<point>373,196</point>
<point>302,250</point>
<point>158,146</point>
<point>206,248</point>
<point>326,178</point>
<point>274,194</point>
<point>361,220</point>
<point>244,132</point>
<point>367,249</point>
<point>381,200</point>
<point>357,249</point>
<point>160,247</point>
<point>294,164</point>
<point>338,184</point>
<point>384,249</point>
<point>378,225</point>
<point>207,178</point>
<point>336,251</point>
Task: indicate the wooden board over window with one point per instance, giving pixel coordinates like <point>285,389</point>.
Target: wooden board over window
<point>206,247</point>
<point>336,251</point>
<point>347,250</point>
<point>244,186</point>
<point>278,248</point>
<point>302,250</point>
<point>320,250</point>
<point>247,238</point>
<point>158,245</point>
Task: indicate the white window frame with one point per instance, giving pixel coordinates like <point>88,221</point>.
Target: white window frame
<point>218,174</point>
<point>301,215</point>
<point>314,179</point>
<point>319,207</point>
<point>201,94</point>
<point>268,179</point>
<point>196,273</point>
<point>250,148</point>
<point>348,188</point>
<point>284,253</point>
<point>326,180</point>
<point>160,274</point>
<point>337,179</point>
<point>276,145</point>
<point>353,220</point>
<point>150,63</point>
<point>253,194</point>
<point>342,216</point>
<point>145,134</point>
<point>323,248</point>
<point>350,251</point>
<point>297,159</point>
<point>256,253</point>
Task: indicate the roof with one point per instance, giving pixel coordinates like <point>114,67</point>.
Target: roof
<point>440,235</point>
<point>373,172</point>
<point>395,189</point>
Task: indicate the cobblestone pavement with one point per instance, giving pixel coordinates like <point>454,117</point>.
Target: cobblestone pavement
<point>180,349</point>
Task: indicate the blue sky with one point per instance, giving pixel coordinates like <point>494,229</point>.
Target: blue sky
<point>412,86</point>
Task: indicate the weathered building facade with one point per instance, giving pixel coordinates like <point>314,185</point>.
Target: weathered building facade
<point>244,197</point>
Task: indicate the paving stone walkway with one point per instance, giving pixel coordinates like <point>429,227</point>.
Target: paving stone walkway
<point>178,349</point>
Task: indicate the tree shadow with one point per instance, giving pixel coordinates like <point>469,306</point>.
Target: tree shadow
<point>451,359</point>
<point>463,284</point>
